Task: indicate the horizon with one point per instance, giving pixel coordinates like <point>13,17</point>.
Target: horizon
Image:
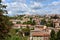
<point>40,7</point>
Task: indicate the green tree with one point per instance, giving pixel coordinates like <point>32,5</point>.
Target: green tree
<point>30,22</point>
<point>18,22</point>
<point>43,22</point>
<point>14,37</point>
<point>5,24</point>
<point>52,35</point>
<point>49,24</point>
<point>58,35</point>
<point>26,31</point>
<point>55,17</point>
<point>33,22</point>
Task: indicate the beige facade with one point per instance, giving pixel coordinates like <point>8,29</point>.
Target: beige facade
<point>40,38</point>
<point>37,38</point>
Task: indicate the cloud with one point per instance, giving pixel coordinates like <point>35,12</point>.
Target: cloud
<point>39,0</point>
<point>3,0</point>
<point>16,7</point>
<point>56,3</point>
<point>18,0</point>
<point>36,5</point>
<point>54,7</point>
<point>43,0</point>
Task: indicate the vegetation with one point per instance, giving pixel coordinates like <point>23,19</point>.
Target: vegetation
<point>7,33</point>
<point>43,22</point>
<point>49,24</point>
<point>17,17</point>
<point>18,22</point>
<point>58,35</point>
<point>16,37</point>
<point>55,36</point>
<point>5,24</point>
<point>52,35</point>
<point>54,17</point>
<point>30,22</point>
<point>26,31</point>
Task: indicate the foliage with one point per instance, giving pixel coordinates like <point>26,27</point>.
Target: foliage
<point>18,22</point>
<point>30,22</point>
<point>17,17</point>
<point>12,32</point>
<point>33,22</point>
<point>49,24</point>
<point>26,31</point>
<point>14,37</point>
<point>58,35</point>
<point>5,24</point>
<point>54,17</point>
<point>43,22</point>
<point>52,35</point>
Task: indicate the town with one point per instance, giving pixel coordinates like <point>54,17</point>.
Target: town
<point>29,20</point>
<point>36,27</point>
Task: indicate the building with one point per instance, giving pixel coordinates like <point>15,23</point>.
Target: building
<point>40,33</point>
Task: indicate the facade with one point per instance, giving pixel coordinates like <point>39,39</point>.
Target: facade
<point>17,26</point>
<point>37,35</point>
<point>40,33</point>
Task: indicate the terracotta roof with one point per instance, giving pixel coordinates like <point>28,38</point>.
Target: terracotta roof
<point>42,34</point>
<point>17,24</point>
<point>21,25</point>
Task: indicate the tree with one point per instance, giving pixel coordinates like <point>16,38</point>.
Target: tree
<point>55,17</point>
<point>15,37</point>
<point>43,22</point>
<point>52,35</point>
<point>33,22</point>
<point>49,24</point>
<point>30,22</point>
<point>18,22</point>
<point>5,24</point>
<point>26,31</point>
<point>58,35</point>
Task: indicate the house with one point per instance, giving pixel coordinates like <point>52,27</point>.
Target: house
<point>14,21</point>
<point>40,33</point>
<point>56,23</point>
<point>18,26</point>
<point>40,27</point>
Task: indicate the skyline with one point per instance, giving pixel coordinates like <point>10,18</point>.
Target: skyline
<point>15,7</point>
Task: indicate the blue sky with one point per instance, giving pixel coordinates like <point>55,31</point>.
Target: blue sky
<point>16,7</point>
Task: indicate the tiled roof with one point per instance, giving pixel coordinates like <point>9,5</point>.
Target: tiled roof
<point>42,34</point>
<point>21,25</point>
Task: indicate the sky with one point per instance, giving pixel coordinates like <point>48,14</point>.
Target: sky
<point>41,7</point>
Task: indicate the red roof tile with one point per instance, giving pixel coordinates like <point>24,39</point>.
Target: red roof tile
<point>40,34</point>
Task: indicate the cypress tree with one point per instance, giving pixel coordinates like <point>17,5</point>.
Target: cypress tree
<point>52,35</point>
<point>58,35</point>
